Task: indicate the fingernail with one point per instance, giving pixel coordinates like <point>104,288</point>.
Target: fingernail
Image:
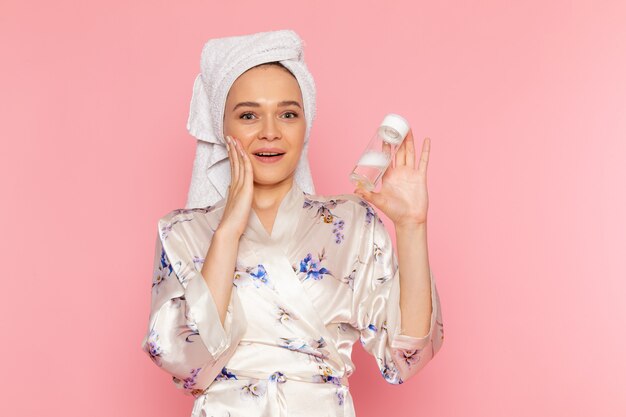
<point>227,138</point>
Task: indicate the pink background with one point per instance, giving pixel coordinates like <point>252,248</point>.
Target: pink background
<point>525,103</point>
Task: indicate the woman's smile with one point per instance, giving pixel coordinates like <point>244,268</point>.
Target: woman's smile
<point>268,155</point>
<point>268,158</point>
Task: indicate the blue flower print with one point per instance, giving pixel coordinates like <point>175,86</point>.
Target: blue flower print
<point>188,382</point>
<point>153,347</point>
<point>256,276</point>
<point>163,271</point>
<point>278,377</point>
<point>370,213</point>
<point>338,231</point>
<point>372,327</point>
<point>340,395</point>
<point>198,261</point>
<point>165,262</point>
<point>311,267</point>
<point>389,371</point>
<point>191,380</point>
<point>260,274</point>
<point>225,374</point>
<point>326,375</point>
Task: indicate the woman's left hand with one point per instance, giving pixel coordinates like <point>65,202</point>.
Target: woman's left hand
<point>403,196</point>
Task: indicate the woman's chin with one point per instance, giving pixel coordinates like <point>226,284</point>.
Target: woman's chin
<point>269,179</point>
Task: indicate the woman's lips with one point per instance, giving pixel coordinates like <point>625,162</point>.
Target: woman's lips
<point>268,159</point>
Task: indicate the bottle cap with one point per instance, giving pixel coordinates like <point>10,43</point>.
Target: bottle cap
<point>394,128</point>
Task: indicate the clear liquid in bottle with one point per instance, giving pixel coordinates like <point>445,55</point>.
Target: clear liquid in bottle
<point>377,156</point>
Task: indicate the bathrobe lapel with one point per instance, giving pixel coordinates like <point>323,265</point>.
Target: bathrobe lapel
<point>274,253</point>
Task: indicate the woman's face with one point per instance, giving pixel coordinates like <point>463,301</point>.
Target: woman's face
<point>264,110</point>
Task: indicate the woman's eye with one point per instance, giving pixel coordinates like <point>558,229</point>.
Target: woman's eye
<point>244,115</point>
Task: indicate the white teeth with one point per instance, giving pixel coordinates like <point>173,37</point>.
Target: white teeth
<point>266,154</point>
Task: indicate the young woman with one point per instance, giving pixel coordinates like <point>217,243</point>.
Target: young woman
<point>258,297</point>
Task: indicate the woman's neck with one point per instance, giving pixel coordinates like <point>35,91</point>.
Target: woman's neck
<point>267,199</point>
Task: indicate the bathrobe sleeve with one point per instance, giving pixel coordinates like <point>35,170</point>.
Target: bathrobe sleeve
<point>185,336</point>
<point>376,306</point>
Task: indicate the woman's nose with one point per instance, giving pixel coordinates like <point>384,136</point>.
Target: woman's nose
<point>269,129</point>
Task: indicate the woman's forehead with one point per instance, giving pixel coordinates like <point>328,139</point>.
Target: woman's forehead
<point>269,85</point>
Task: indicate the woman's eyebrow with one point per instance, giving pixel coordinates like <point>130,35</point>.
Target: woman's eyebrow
<point>255,104</point>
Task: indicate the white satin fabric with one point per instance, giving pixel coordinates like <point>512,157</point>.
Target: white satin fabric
<point>325,278</point>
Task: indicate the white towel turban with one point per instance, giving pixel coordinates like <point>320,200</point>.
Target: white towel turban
<point>221,62</point>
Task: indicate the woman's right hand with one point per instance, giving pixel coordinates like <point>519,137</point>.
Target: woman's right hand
<point>239,201</point>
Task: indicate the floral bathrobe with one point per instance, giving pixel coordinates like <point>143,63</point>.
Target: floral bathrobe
<point>325,278</point>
